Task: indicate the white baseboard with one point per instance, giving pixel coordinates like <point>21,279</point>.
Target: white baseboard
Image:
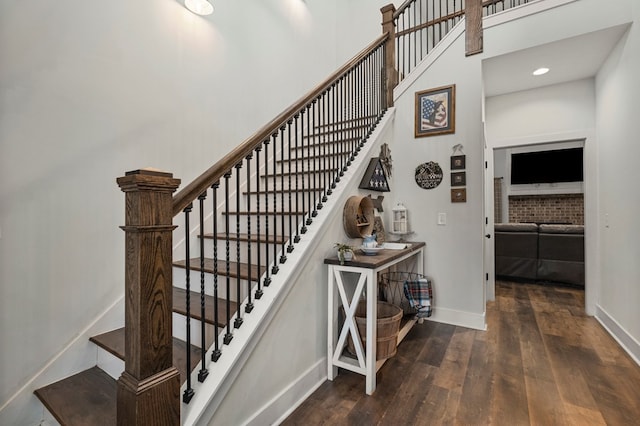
<point>459,318</point>
<point>626,340</point>
<point>283,404</point>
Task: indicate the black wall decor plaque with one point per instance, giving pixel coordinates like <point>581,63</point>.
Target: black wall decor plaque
<point>428,175</point>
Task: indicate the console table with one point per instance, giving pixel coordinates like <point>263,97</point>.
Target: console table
<point>366,269</point>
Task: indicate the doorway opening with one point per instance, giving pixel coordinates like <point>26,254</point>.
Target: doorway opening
<point>539,213</point>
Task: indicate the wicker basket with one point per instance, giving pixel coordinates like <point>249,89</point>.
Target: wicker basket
<point>388,327</point>
<point>391,285</point>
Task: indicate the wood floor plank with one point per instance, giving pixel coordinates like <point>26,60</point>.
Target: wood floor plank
<point>542,361</point>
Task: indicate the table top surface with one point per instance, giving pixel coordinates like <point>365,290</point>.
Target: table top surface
<point>381,258</point>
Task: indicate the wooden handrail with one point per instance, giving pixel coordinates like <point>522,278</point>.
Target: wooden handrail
<point>430,23</point>
<point>402,8</point>
<point>203,182</point>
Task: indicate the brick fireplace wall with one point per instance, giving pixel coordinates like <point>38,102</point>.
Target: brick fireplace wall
<point>561,208</point>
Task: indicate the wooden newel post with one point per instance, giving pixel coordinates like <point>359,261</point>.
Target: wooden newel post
<point>389,27</point>
<point>149,388</point>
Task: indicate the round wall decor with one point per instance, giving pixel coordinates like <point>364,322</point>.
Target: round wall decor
<point>428,175</point>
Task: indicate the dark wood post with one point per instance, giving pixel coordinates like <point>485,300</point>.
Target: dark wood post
<point>473,30</point>
<point>149,388</point>
<point>389,27</point>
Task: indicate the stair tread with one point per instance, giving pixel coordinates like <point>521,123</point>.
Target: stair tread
<point>253,238</point>
<point>86,398</point>
<point>194,264</point>
<point>262,213</point>
<point>300,172</point>
<point>113,342</point>
<point>314,157</point>
<point>306,145</point>
<point>286,191</point>
<point>180,306</point>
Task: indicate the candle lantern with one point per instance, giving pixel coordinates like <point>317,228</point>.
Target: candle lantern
<point>400,220</point>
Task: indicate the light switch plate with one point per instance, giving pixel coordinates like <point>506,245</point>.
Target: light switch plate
<point>442,218</point>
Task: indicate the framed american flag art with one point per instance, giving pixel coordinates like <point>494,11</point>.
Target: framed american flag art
<point>436,111</point>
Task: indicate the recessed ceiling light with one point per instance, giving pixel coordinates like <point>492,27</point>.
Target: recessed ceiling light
<point>199,7</point>
<point>541,71</point>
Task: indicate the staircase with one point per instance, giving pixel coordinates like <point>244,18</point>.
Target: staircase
<point>236,226</point>
<point>249,215</point>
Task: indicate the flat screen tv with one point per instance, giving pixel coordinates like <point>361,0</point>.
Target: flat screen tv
<point>560,165</point>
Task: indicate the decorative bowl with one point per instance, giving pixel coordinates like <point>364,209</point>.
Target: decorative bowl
<point>371,251</point>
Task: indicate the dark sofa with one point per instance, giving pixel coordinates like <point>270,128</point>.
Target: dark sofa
<point>546,252</point>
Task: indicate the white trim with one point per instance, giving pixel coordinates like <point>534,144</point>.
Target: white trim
<point>622,336</point>
<point>522,11</point>
<point>459,318</point>
<point>291,397</point>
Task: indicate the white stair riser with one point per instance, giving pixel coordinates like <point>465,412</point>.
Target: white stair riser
<point>110,363</point>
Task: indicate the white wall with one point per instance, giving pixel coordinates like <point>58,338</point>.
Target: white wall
<point>454,252</point>
<point>89,91</point>
<point>617,104</point>
<point>517,118</point>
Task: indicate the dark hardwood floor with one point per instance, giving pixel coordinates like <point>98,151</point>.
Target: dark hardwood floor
<point>542,361</point>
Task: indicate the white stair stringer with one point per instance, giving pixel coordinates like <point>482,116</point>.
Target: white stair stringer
<point>209,395</point>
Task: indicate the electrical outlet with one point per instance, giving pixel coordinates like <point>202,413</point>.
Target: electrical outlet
<point>442,218</point>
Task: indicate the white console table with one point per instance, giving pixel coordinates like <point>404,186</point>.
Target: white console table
<point>366,269</point>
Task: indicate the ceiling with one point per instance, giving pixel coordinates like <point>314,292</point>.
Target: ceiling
<point>570,59</point>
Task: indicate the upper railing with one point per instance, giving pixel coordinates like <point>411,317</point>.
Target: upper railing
<point>421,24</point>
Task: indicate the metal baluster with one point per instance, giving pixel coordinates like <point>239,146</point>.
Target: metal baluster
<point>415,44</point>
<point>314,213</point>
<point>322,159</point>
<point>267,278</point>
<point>303,176</point>
<point>398,52</point>
<point>188,392</point>
<point>289,187</point>
<point>359,92</point>
<point>341,146</point>
<point>370,92</point>
<point>259,291</point>
<point>354,140</point>
<point>420,12</point>
<point>203,373</point>
<point>215,355</point>
<point>275,268</point>
<point>337,135</point>
<point>283,257</point>
<point>308,154</point>
<point>238,321</point>
<point>249,306</point>
<point>229,336</point>
<point>298,211</point>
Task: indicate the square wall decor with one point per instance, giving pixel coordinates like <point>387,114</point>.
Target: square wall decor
<point>459,195</point>
<point>459,179</point>
<point>435,111</point>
